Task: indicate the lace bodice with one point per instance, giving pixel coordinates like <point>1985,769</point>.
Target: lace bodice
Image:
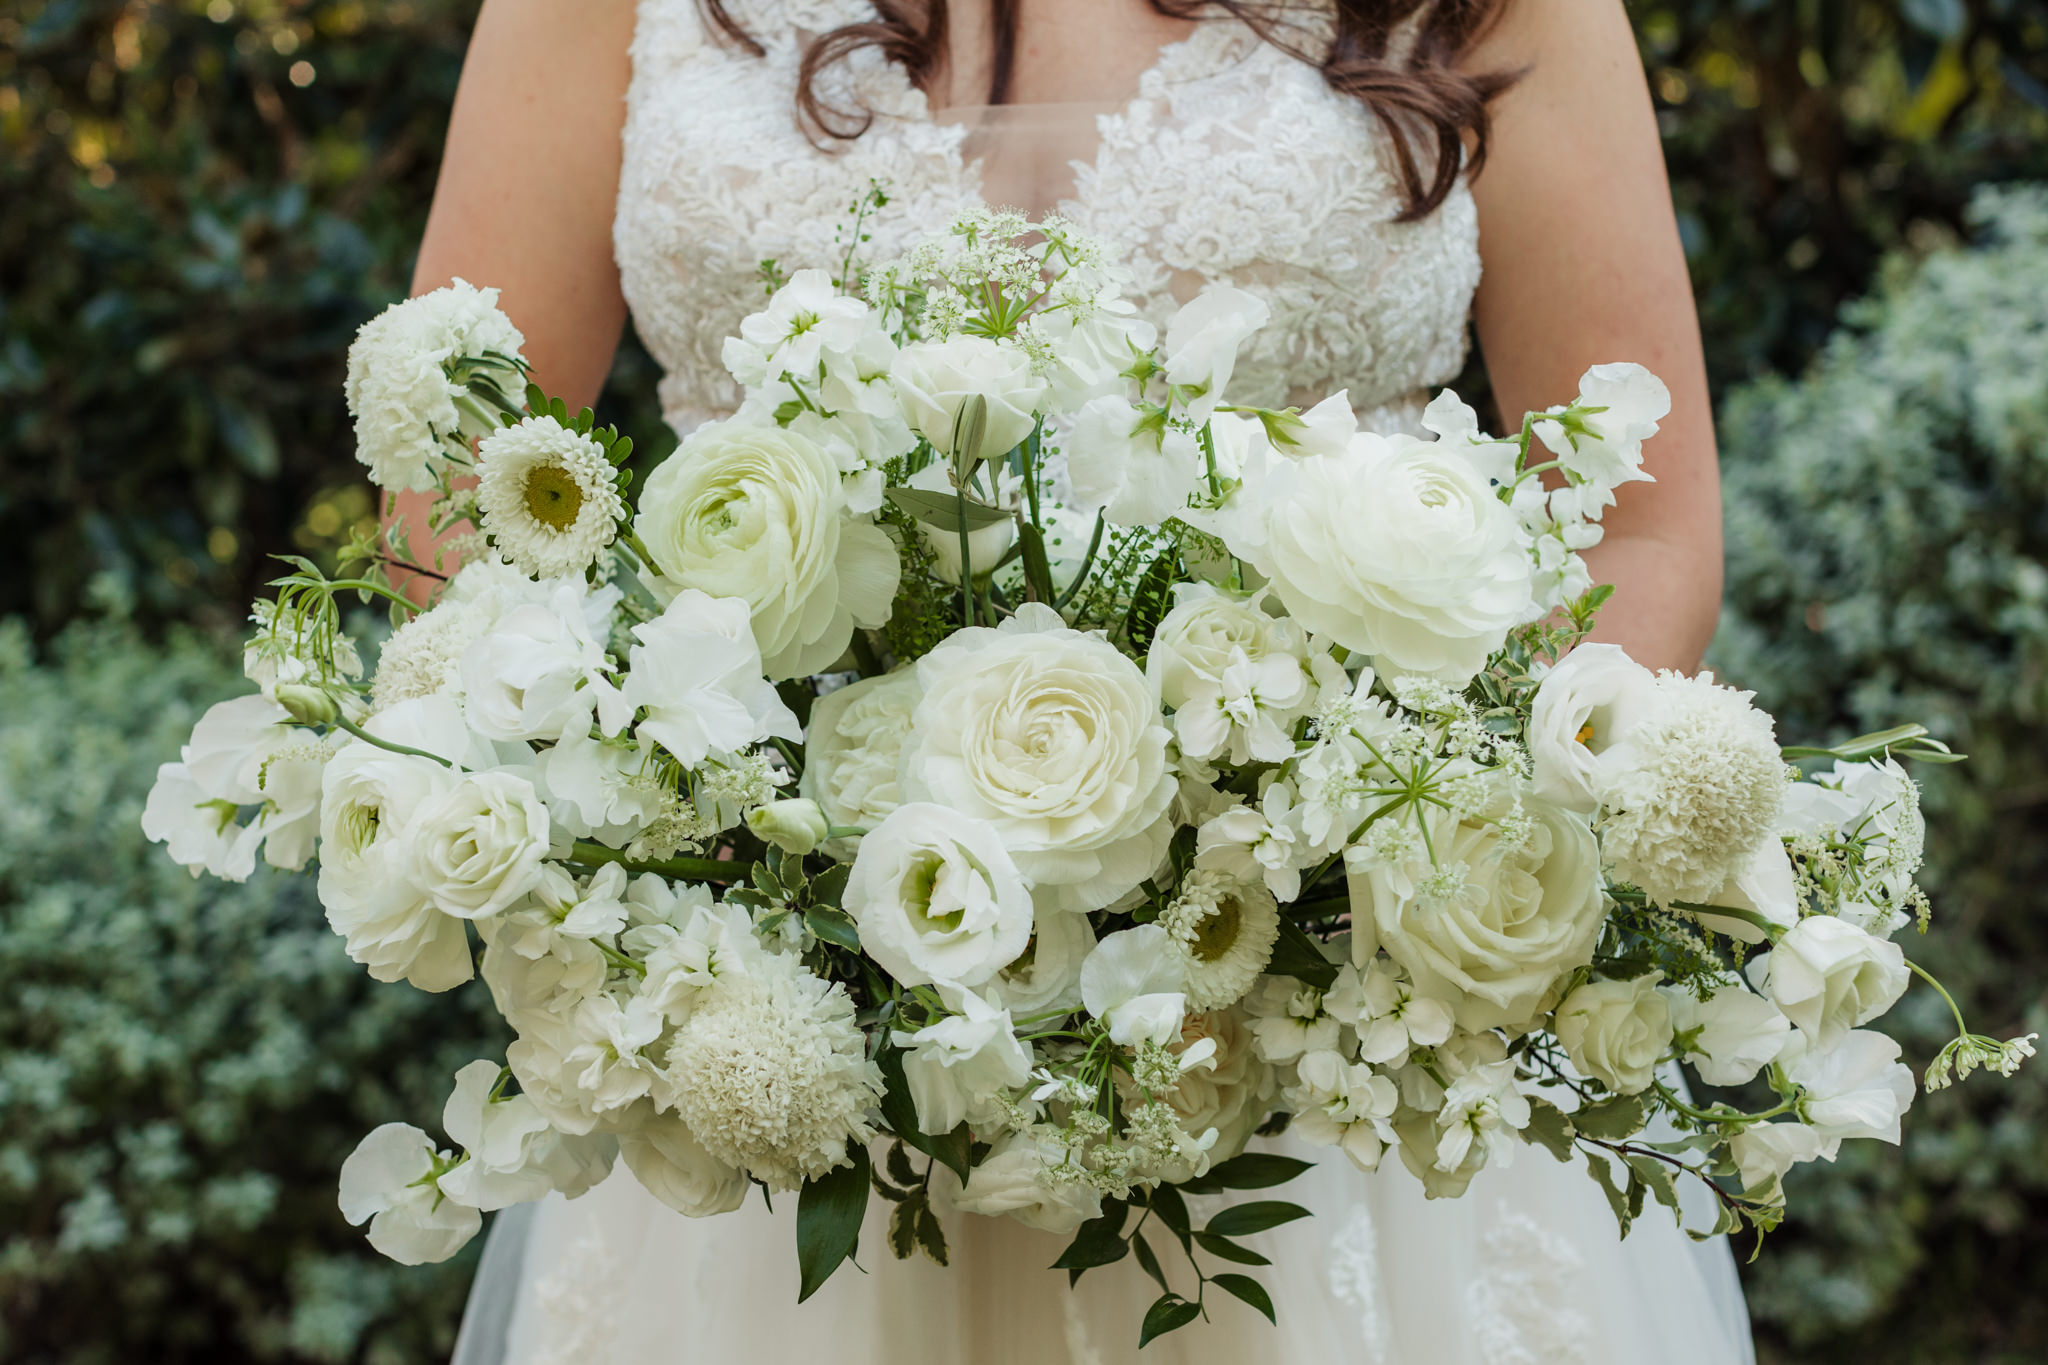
<point>1233,162</point>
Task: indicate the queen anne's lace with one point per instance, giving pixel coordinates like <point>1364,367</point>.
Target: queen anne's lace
<point>1233,163</point>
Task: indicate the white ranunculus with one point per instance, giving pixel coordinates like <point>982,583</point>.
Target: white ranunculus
<point>1584,707</point>
<point>1856,1089</point>
<point>386,1182</point>
<point>477,846</point>
<point>937,897</point>
<point>794,826</point>
<point>1828,976</point>
<point>1497,944</point>
<point>853,747</point>
<point>760,514</point>
<point>670,1164</point>
<point>958,1066</point>
<point>1617,1031</point>
<point>1766,1151</point>
<point>1202,340</point>
<point>1233,1091</point>
<point>1237,678</point>
<point>1397,549</point>
<point>697,673</point>
<point>530,675</point>
<point>1047,974</point>
<point>514,1155</point>
<point>934,380</point>
<point>1130,463</point>
<point>1132,983</point>
<point>1054,738</point>
<point>986,545</point>
<point>1015,1179</point>
<point>1729,1036</point>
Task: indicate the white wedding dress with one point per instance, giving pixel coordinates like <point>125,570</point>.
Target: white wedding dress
<point>1232,162</point>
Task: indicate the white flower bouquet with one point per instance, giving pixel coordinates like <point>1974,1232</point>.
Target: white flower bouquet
<point>996,750</point>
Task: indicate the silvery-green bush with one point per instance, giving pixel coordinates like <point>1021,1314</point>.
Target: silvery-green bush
<point>1888,560</point>
<point>183,1064</point>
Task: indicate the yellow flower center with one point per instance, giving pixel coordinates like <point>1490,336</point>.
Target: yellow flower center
<point>1585,735</point>
<point>1217,932</point>
<point>553,497</point>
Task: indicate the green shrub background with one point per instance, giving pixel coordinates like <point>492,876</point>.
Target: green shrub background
<point>200,201</point>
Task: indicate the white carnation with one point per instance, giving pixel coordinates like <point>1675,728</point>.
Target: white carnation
<point>411,414</point>
<point>547,496</point>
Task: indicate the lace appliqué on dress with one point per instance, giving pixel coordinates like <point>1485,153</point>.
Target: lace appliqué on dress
<point>579,1303</point>
<point>1354,1273</point>
<point>1521,1301</point>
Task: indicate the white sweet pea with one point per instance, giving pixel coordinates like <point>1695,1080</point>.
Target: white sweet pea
<point>244,755</point>
<point>934,380</point>
<point>1617,1031</point>
<point>514,1156</point>
<point>1857,1089</point>
<point>1584,707</point>
<point>1325,429</point>
<point>1132,983</point>
<point>670,1164</point>
<point>1015,1179</point>
<point>1202,341</point>
<point>958,1066</point>
<point>1610,453</point>
<point>1828,976</point>
<point>1092,337</point>
<point>530,675</point>
<point>1729,1036</point>
<point>390,1182</point>
<point>558,909</point>
<point>478,845</point>
<point>1130,463</point>
<point>937,897</point>
<point>697,673</point>
<point>1766,1151</point>
<point>603,789</point>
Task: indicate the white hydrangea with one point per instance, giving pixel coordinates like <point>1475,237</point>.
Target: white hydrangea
<point>547,496</point>
<point>411,414</point>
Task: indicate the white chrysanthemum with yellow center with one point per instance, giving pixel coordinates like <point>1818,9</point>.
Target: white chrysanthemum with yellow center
<point>1225,931</point>
<point>547,496</point>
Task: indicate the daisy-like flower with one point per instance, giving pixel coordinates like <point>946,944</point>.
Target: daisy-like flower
<point>547,496</point>
<point>1224,930</point>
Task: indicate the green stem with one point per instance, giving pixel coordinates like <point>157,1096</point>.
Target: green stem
<point>1941,990</point>
<point>345,723</point>
<point>592,854</point>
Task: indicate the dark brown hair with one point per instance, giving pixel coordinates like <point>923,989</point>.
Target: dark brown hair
<point>1428,107</point>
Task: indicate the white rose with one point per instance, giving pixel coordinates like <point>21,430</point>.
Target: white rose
<point>1015,1179</point>
<point>1584,707</point>
<point>1202,339</point>
<point>478,845</point>
<point>529,677</point>
<point>1397,549</point>
<point>670,1164</point>
<point>1765,1152</point>
<point>937,897</point>
<point>1616,1031</point>
<point>697,673</point>
<point>759,513</point>
<point>1497,946</point>
<point>513,1155</point>
<point>388,1182</point>
<point>853,747</point>
<point>1053,737</point>
<point>1857,1089</point>
<point>1047,974</point>
<point>957,1067</point>
<point>1130,463</point>
<point>934,379</point>
<point>795,826</point>
<point>1236,678</point>
<point>1828,976</point>
<point>1132,983</point>
<point>1729,1036</point>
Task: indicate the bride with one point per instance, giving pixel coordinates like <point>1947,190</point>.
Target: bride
<point>1347,160</point>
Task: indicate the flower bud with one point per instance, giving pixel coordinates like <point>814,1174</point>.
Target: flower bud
<point>794,826</point>
<point>307,705</point>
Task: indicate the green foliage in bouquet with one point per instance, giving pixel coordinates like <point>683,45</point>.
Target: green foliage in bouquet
<point>1888,559</point>
<point>182,1062</point>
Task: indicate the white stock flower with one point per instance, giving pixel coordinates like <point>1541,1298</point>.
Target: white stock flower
<point>547,496</point>
<point>1223,931</point>
<point>243,755</point>
<point>1289,1021</point>
<point>1047,974</point>
<point>514,1155</point>
<point>1585,706</point>
<point>1691,791</point>
<point>1390,1018</point>
<point>1610,453</point>
<point>477,844</point>
<point>399,393</point>
<point>934,380</point>
<point>1132,983</point>
<point>1015,1179</point>
<point>1617,1031</point>
<point>532,674</point>
<point>670,1164</point>
<point>1053,737</point>
<point>806,321</point>
<point>1764,1152</point>
<point>1729,1036</point>
<point>958,1066</point>
<point>560,908</point>
<point>1202,341</point>
<point>697,673</point>
<point>1482,1112</point>
<point>1828,976</point>
<point>388,1182</point>
<point>1258,843</point>
<point>760,514</point>
<point>853,746</point>
<point>1397,549</point>
<point>1237,678</point>
<point>1856,1089</point>
<point>1130,463</point>
<point>937,897</point>
<point>1344,1104</point>
<point>1494,937</point>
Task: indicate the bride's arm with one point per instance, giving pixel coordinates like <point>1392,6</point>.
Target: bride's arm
<point>1583,265</point>
<point>528,183</point>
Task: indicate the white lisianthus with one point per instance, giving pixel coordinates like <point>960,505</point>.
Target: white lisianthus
<point>1130,463</point>
<point>1232,1091</point>
<point>937,897</point>
<point>760,514</point>
<point>1617,1031</point>
<point>243,755</point>
<point>1344,1104</point>
<point>532,674</point>
<point>1016,1179</point>
<point>1857,1088</point>
<point>410,413</point>
<point>1764,1152</point>
<point>958,1066</point>
<point>934,380</point>
<point>794,826</point>
<point>1584,707</point>
<point>1053,738</point>
<point>1237,678</point>
<point>1397,549</point>
<point>697,675</point>
<point>390,1181</point>
<point>547,496</point>
<point>477,845</point>
<point>1047,974</point>
<point>1202,341</point>
<point>854,745</point>
<point>670,1164</point>
<point>1494,932</point>
<point>1132,983</point>
<point>1630,402</point>
<point>514,1156</point>
<point>1828,976</point>
<point>1729,1036</point>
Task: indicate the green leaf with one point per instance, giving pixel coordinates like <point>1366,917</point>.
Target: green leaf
<point>1099,1241</point>
<point>834,927</point>
<point>768,885</point>
<point>1168,1313</point>
<point>900,1169</point>
<point>1166,1203</point>
<point>930,1236</point>
<point>1252,1171</point>
<point>1297,955</point>
<point>1661,1179</point>
<point>1549,1128</point>
<point>1244,1219</point>
<point>941,511</point>
<point>828,1214</point>
<point>829,886</point>
<point>1603,1176</point>
<point>899,1111</point>
<point>1225,1249</point>
<point>1151,599</point>
<point>1248,1289</point>
<point>1611,1120</point>
<point>903,1231</point>
<point>1149,1262</point>
<point>1037,568</point>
